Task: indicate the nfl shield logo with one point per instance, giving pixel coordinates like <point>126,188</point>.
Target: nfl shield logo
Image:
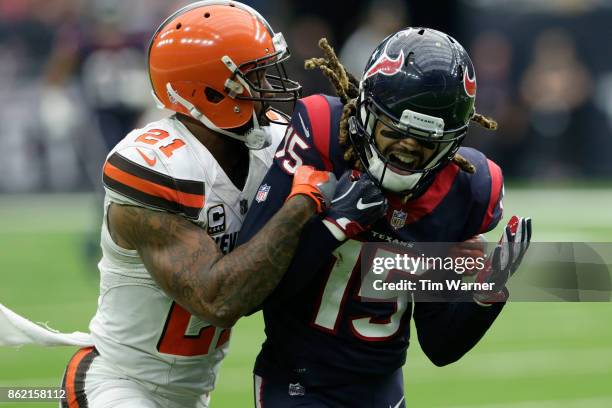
<point>296,390</point>
<point>398,219</point>
<point>262,193</point>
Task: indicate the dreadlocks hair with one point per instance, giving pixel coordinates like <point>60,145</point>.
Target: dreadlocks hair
<point>347,89</point>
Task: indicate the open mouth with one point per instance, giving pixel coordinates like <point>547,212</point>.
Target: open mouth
<point>404,160</point>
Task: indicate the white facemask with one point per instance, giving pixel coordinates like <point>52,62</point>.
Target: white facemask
<point>392,181</point>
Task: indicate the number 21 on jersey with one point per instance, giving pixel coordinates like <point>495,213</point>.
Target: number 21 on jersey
<point>185,335</point>
<point>155,136</point>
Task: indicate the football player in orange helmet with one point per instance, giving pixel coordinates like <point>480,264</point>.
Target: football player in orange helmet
<point>177,192</point>
<point>214,62</point>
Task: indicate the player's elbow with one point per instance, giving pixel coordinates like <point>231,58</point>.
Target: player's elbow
<point>221,316</point>
<point>441,360</point>
<point>217,315</point>
<point>440,356</point>
<point>218,320</point>
<point>224,321</point>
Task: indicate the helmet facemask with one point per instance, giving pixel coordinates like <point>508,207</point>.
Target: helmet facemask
<point>427,130</point>
<point>281,88</point>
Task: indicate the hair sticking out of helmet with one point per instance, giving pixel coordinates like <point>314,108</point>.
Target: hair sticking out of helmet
<point>220,63</point>
<point>347,88</point>
<point>346,85</point>
<point>348,91</point>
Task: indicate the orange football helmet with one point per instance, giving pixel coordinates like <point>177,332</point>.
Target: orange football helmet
<point>200,59</point>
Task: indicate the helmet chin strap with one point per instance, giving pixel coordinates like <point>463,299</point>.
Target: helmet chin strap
<point>255,139</point>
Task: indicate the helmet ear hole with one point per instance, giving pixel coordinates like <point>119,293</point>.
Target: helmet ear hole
<point>213,96</point>
<point>409,59</point>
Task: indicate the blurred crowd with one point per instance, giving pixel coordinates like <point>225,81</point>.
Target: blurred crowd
<point>73,78</point>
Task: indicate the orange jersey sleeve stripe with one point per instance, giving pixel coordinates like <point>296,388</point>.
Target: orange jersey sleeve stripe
<point>154,189</point>
<point>71,372</point>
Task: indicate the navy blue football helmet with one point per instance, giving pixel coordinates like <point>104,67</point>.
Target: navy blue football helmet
<point>421,84</point>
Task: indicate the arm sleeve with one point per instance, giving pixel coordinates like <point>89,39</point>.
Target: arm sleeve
<point>446,331</point>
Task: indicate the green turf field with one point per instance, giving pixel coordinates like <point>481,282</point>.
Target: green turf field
<point>536,355</point>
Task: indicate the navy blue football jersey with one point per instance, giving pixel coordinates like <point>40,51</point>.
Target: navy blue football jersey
<point>319,330</point>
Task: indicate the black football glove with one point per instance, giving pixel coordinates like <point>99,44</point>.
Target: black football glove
<point>504,260</point>
<point>357,204</point>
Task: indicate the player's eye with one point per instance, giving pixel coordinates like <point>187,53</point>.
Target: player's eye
<point>392,134</point>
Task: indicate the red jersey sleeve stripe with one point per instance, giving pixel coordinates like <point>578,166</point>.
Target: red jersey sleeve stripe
<point>497,183</point>
<point>425,204</point>
<point>319,114</point>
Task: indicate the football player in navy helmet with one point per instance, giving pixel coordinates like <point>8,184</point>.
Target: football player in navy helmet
<point>401,127</point>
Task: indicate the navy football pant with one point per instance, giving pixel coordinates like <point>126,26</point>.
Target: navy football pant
<point>387,392</point>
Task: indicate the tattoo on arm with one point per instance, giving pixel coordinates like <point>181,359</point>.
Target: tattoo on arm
<point>188,265</point>
<point>251,272</point>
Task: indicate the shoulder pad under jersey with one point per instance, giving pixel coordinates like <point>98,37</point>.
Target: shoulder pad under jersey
<point>487,187</point>
<point>312,136</point>
<point>155,167</point>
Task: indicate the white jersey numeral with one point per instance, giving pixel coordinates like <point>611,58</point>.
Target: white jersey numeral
<point>294,160</point>
<point>347,266</point>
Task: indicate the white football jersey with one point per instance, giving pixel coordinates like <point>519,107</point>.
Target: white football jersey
<point>137,328</point>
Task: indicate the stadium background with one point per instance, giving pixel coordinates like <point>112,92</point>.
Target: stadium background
<point>72,82</point>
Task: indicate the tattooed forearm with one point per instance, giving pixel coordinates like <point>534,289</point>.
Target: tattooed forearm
<point>187,264</point>
<point>251,272</point>
<point>177,253</point>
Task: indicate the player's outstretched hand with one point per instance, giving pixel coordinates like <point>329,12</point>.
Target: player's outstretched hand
<point>357,204</point>
<point>472,248</point>
<point>504,260</point>
<point>318,185</point>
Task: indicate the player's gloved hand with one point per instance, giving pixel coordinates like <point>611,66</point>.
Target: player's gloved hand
<point>357,204</point>
<point>504,260</point>
<point>472,248</point>
<point>318,185</point>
